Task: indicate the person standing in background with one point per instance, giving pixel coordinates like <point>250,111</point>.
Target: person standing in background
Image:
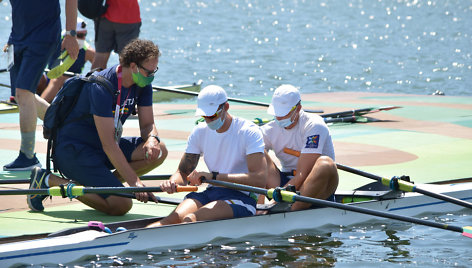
<point>34,37</point>
<point>48,89</point>
<point>119,25</point>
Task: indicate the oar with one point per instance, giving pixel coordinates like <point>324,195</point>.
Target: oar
<point>81,190</point>
<point>400,184</point>
<point>357,112</point>
<point>144,178</point>
<point>186,92</point>
<point>405,186</point>
<point>160,199</point>
<point>347,119</point>
<point>15,181</point>
<point>191,93</point>
<point>293,197</point>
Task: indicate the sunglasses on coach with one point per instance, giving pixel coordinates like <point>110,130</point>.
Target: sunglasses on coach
<point>149,73</point>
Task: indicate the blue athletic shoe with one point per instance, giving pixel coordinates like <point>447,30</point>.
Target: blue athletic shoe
<point>37,181</point>
<point>22,163</point>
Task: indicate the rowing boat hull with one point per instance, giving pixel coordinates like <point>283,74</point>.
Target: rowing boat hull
<point>64,249</point>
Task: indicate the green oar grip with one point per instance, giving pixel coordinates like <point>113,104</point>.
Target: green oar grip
<point>75,191</point>
<point>59,70</point>
<point>286,195</point>
<point>402,185</point>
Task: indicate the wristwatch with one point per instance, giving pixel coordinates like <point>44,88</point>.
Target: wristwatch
<point>214,175</point>
<point>157,138</point>
<point>72,33</point>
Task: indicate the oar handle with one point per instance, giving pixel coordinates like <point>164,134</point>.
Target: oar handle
<point>187,188</point>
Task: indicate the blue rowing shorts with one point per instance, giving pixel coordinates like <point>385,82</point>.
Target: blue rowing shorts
<point>242,204</point>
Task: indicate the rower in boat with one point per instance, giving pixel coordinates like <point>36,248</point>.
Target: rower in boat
<point>233,150</point>
<point>314,172</point>
<point>90,145</point>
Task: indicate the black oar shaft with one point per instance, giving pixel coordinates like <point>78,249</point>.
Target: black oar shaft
<point>15,181</point>
<point>359,172</point>
<point>444,197</point>
<point>358,112</point>
<point>160,199</point>
<point>86,190</point>
<point>186,92</point>
<point>325,203</point>
<point>24,191</point>
<point>382,214</point>
<point>154,177</point>
<point>144,177</point>
<point>414,188</point>
<point>346,113</point>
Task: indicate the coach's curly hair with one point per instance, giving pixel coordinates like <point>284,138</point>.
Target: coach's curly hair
<point>138,51</point>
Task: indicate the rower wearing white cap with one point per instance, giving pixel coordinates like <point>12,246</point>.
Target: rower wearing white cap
<point>294,132</point>
<point>233,151</point>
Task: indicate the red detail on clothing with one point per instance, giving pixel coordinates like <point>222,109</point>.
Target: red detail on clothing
<point>123,11</point>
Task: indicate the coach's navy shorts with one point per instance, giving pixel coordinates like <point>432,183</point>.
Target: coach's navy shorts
<point>242,204</point>
<point>89,166</point>
<point>29,63</point>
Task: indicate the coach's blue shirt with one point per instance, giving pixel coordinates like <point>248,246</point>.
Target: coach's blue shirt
<point>97,100</point>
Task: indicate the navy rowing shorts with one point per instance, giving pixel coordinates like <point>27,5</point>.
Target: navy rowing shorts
<point>242,204</point>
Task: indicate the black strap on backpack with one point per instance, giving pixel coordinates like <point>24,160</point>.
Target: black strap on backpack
<point>52,139</point>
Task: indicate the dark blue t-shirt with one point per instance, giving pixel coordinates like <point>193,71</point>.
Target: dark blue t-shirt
<point>35,21</point>
<point>97,100</point>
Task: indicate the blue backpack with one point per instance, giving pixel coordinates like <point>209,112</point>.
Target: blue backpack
<point>57,114</point>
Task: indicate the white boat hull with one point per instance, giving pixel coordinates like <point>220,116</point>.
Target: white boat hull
<point>70,248</point>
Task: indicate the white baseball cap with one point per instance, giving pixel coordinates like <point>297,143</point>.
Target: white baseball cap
<point>209,99</point>
<point>81,25</point>
<point>283,100</point>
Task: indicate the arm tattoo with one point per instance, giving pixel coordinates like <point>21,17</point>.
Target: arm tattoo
<point>188,163</point>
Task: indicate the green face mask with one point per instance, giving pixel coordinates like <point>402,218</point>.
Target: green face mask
<point>142,80</point>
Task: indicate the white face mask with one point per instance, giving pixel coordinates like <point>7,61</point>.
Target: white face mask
<point>81,43</point>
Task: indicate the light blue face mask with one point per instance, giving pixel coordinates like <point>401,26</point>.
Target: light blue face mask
<point>216,124</point>
<point>283,123</point>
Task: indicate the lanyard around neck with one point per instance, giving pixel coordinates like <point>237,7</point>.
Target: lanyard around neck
<point>118,98</point>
